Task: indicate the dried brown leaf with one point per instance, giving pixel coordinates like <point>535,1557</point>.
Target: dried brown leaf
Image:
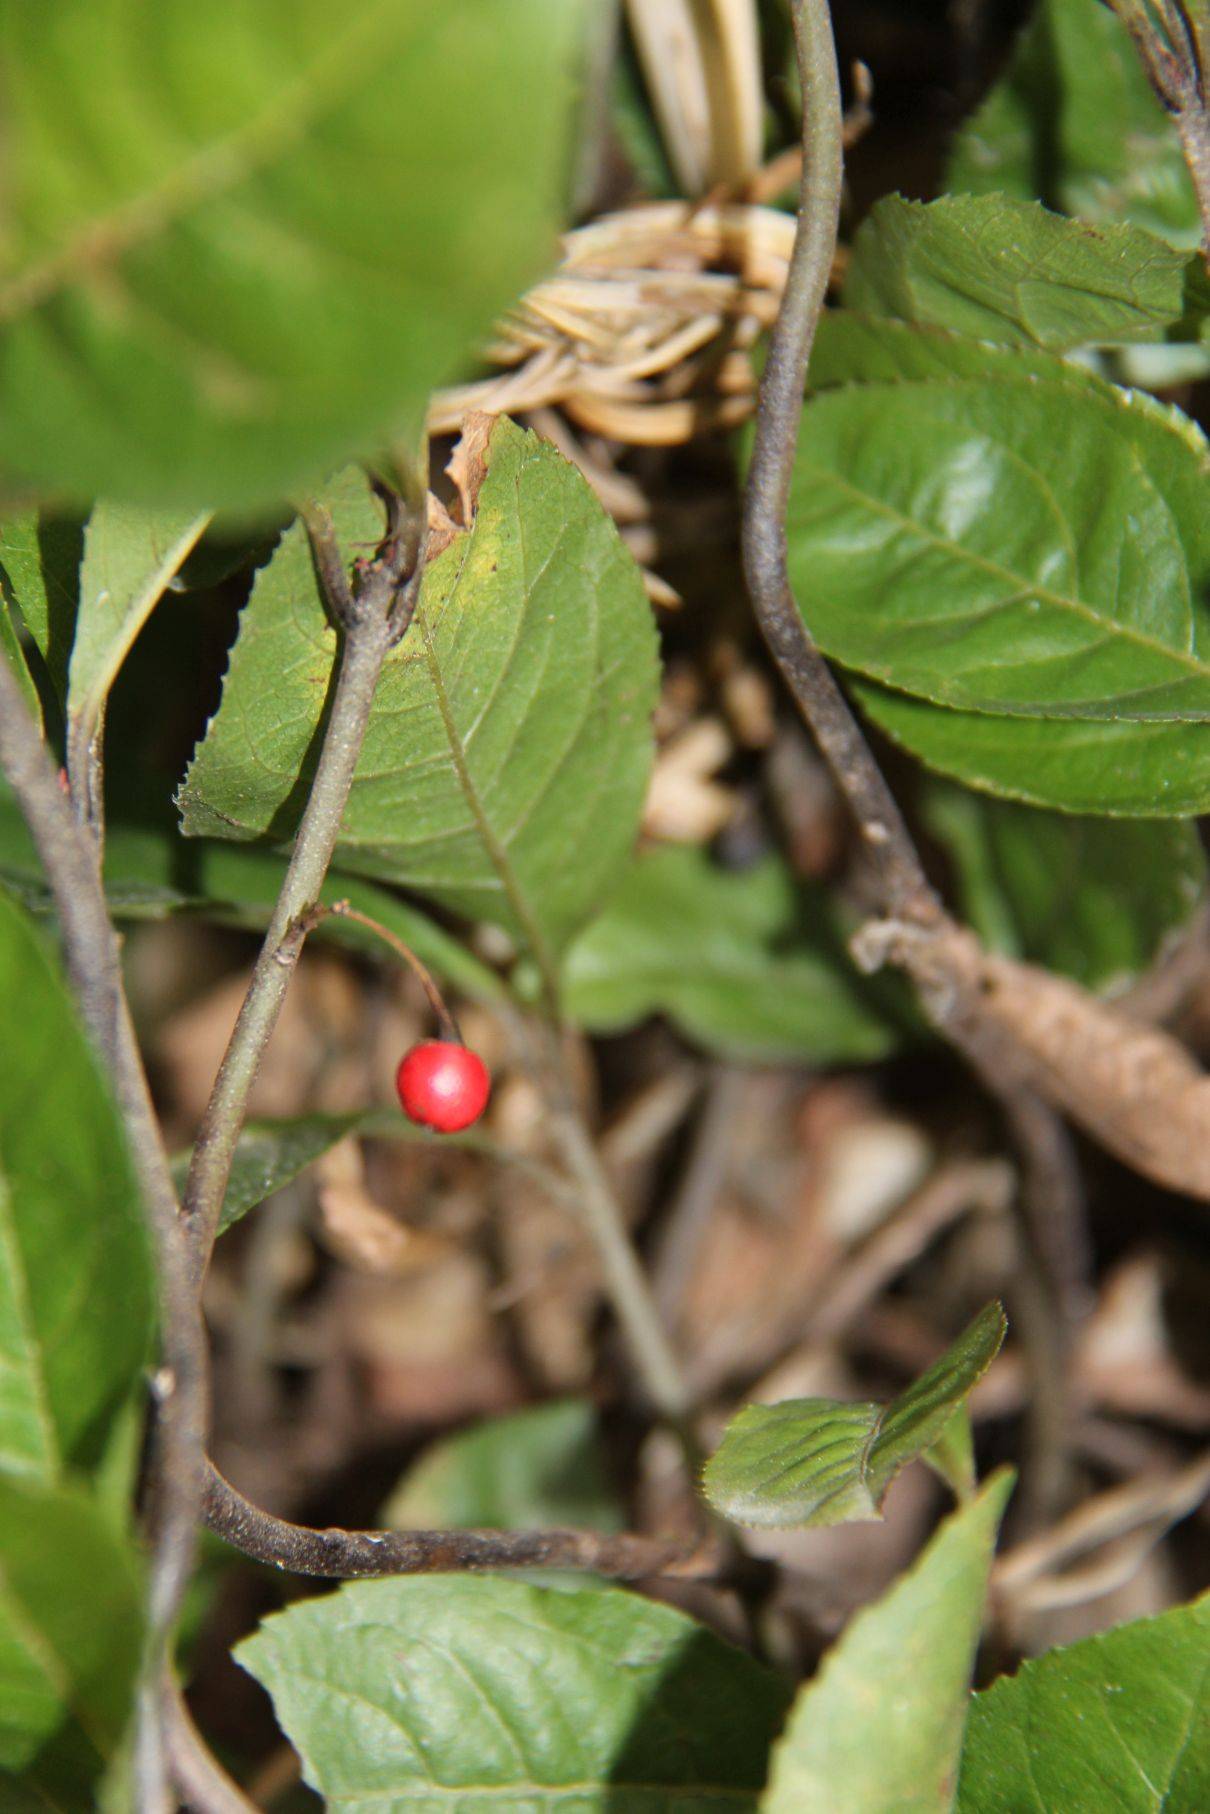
<point>1134,1088</point>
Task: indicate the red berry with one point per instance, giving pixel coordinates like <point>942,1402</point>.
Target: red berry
<point>443,1086</point>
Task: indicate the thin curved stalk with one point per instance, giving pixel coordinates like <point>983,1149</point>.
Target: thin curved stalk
<point>344,1555</point>
<point>904,886</point>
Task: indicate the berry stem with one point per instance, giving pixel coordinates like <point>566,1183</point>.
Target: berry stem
<point>423,975</point>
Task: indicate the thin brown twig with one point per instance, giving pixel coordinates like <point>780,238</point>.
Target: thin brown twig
<point>351,1555</point>
<point>952,1191</point>
<point>904,885</point>
<point>373,621</point>
<point>904,888</point>
<point>91,949</point>
<point>1049,1293</point>
<point>1152,1501</point>
<point>199,1779</point>
<point>702,1179</point>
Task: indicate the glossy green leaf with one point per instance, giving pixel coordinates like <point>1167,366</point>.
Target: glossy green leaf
<point>879,1729</point>
<point>39,575</point>
<point>826,1461</point>
<point>868,349</point>
<point>245,239</point>
<point>999,269</point>
<point>742,962</point>
<point>1118,1721</point>
<point>1092,899</point>
<point>543,1466</point>
<point>130,555</point>
<point>152,873</point>
<point>464,1692</point>
<point>508,751</point>
<point>1125,770</point>
<point>1008,546</point>
<point>70,1641</point>
<point>1074,122</point>
<point>75,1270</point>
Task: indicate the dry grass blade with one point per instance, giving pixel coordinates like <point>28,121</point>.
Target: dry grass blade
<point>701,61</point>
<point>645,332</point>
<point>1118,1528</point>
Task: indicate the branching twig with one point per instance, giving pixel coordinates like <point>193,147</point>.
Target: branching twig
<point>373,622</point>
<point>94,968</point>
<point>350,1555</point>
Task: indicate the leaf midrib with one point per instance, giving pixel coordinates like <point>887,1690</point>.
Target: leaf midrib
<point>214,169</point>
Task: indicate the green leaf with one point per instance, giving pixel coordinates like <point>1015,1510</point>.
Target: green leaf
<point>1075,122</point>
<point>769,978</point>
<point>1126,769</point>
<point>270,1154</point>
<point>1118,1721</point>
<point>540,1467</point>
<point>1091,899</point>
<point>70,1641</point>
<point>152,873</point>
<point>508,751</point>
<point>12,652</point>
<point>999,269</point>
<point>244,241</point>
<point>75,1268</point>
<point>130,555</point>
<point>39,576</point>
<point>417,1693</point>
<point>867,349</point>
<point>952,1456</point>
<point>824,1461</point>
<point>1008,546</point>
<point>879,1729</point>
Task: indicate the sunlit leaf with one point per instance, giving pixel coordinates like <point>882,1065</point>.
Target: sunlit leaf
<point>415,1692</point>
<point>812,1461</point>
<point>999,269</point>
<point>1126,769</point>
<point>879,1729</point>
<point>508,751</point>
<point>1119,1721</point>
<point>1008,546</point>
<point>130,555</point>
